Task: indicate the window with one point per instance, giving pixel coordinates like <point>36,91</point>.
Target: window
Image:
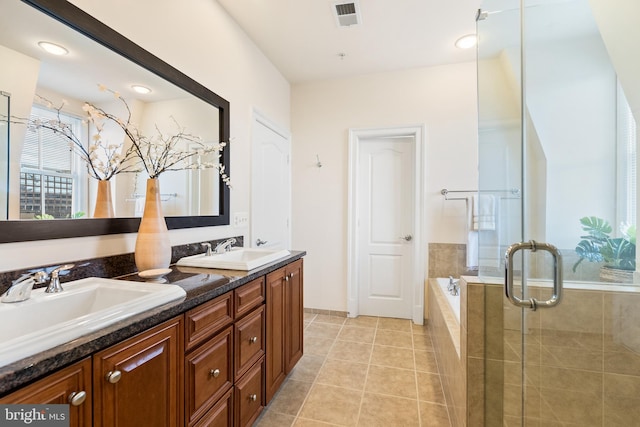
<point>627,152</point>
<point>47,170</point>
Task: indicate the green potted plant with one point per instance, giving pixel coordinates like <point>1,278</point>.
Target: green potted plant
<point>617,253</point>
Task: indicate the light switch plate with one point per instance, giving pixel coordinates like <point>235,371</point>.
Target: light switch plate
<point>241,219</point>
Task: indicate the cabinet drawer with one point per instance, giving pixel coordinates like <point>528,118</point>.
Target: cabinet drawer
<point>249,340</point>
<point>209,373</point>
<point>205,320</point>
<point>221,415</point>
<point>248,296</point>
<point>70,386</point>
<point>248,400</point>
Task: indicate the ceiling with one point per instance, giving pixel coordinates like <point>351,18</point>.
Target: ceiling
<point>303,40</point>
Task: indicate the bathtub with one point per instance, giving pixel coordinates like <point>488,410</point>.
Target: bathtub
<point>453,301</point>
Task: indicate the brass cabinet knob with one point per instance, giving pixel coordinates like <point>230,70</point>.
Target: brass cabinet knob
<point>253,340</point>
<point>77,398</point>
<point>253,397</point>
<point>113,376</point>
<point>215,373</point>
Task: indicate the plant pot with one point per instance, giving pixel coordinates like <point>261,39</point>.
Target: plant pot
<point>615,275</point>
<point>153,248</point>
<point>104,204</point>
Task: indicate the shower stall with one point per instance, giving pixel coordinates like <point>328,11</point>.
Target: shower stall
<point>557,136</point>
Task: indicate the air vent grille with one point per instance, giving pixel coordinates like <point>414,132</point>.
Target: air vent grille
<point>346,14</point>
<point>346,9</point>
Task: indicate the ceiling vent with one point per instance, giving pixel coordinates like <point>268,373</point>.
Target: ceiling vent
<point>346,13</point>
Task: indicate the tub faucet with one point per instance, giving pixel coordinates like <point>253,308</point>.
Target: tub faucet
<point>224,246</point>
<point>453,287</point>
<point>54,283</point>
<point>20,289</point>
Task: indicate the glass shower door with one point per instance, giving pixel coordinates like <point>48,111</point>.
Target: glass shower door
<point>557,138</point>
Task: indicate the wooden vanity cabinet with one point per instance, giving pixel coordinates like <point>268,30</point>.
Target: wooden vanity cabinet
<point>139,382</point>
<point>284,324</point>
<point>70,385</point>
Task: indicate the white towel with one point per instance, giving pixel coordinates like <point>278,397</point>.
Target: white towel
<point>484,212</point>
<point>472,238</point>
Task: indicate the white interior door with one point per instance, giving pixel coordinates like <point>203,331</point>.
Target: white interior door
<point>271,186</point>
<point>385,225</point>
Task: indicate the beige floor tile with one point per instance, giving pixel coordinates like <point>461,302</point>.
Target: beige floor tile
<point>343,374</point>
<point>426,361</point>
<point>394,357</point>
<point>351,351</point>
<point>393,338</point>
<point>434,415</point>
<point>357,334</point>
<point>323,318</point>
<point>332,405</point>
<point>430,388</point>
<point>401,325</point>
<point>290,397</point>
<point>420,329</point>
<point>391,381</point>
<point>274,419</point>
<point>303,422</point>
<point>363,321</point>
<point>386,411</point>
<point>317,345</point>
<point>422,342</point>
<point>322,330</point>
<point>308,317</point>
<point>307,368</point>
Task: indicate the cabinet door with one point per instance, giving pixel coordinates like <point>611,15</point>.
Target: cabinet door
<point>294,315</point>
<point>71,385</point>
<point>249,396</point>
<point>209,373</point>
<point>139,381</point>
<point>275,369</point>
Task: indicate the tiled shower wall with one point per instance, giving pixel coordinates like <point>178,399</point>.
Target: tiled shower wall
<point>582,358</point>
<point>448,259</point>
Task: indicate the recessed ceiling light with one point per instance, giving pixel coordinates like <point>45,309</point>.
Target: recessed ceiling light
<point>52,48</point>
<point>141,89</point>
<point>467,41</point>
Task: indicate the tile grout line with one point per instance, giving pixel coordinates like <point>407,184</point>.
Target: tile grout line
<point>366,376</point>
<point>415,374</point>
<point>446,404</point>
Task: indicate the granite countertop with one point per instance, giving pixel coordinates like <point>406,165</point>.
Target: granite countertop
<point>200,284</point>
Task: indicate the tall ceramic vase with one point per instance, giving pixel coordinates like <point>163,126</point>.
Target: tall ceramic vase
<point>104,204</point>
<point>153,248</point>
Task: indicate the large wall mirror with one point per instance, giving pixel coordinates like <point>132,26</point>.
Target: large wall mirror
<point>46,191</point>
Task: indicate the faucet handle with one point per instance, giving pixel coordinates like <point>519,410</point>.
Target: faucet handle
<point>208,246</point>
<point>54,283</point>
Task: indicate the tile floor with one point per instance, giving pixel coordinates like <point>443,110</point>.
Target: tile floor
<point>364,372</point>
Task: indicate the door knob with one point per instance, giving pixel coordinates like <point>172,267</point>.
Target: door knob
<point>408,237</point>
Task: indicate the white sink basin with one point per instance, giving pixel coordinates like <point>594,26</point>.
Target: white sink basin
<point>47,320</point>
<point>236,259</point>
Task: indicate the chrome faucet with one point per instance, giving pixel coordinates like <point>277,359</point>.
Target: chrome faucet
<point>453,287</point>
<point>224,246</point>
<point>208,246</point>
<point>20,289</point>
<point>54,283</point>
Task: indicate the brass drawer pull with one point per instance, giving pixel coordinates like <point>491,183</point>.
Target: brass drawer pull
<point>215,373</point>
<point>253,340</point>
<point>253,397</point>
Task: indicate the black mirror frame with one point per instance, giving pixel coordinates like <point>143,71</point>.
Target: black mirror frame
<point>77,19</point>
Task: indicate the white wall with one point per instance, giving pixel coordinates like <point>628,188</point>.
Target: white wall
<point>443,98</point>
<point>201,40</point>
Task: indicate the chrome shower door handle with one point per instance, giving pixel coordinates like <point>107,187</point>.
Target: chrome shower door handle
<point>533,303</point>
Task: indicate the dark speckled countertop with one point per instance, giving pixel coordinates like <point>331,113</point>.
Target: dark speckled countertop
<point>200,284</point>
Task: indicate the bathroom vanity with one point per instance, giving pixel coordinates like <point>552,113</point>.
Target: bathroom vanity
<point>215,358</point>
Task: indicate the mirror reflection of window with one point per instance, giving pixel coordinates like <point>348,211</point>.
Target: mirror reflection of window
<point>50,174</point>
<point>627,147</point>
